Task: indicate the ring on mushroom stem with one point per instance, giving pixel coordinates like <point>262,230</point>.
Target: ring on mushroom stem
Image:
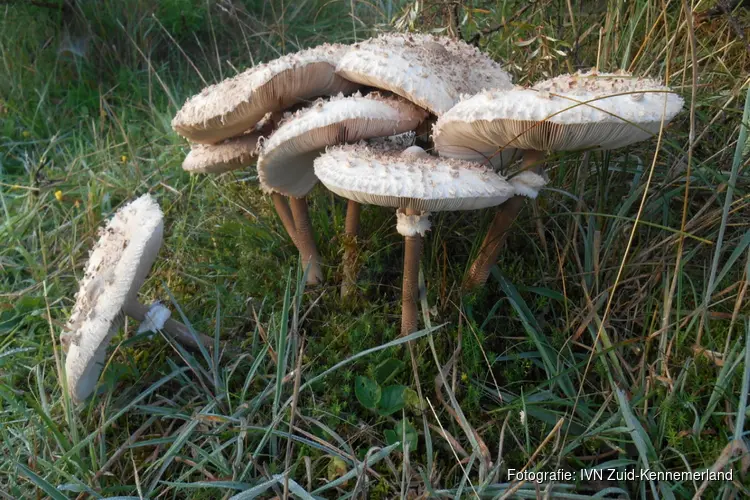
<point>285,164</point>
<point>117,267</point>
<point>586,110</point>
<point>415,183</point>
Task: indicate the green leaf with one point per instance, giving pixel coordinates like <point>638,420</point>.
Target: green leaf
<point>255,491</point>
<point>391,400</point>
<point>40,483</point>
<point>412,401</point>
<point>388,369</point>
<point>407,434</point>
<point>367,392</point>
<point>8,321</point>
<point>391,437</point>
<point>336,468</point>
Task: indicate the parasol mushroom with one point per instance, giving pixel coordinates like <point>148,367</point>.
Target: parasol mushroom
<point>228,155</point>
<point>117,267</point>
<point>231,107</point>
<point>430,71</point>
<point>586,110</point>
<point>415,183</point>
<point>285,164</point>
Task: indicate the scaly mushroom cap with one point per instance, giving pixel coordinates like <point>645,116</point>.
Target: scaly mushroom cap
<point>235,105</point>
<point>285,164</point>
<point>618,110</point>
<point>229,155</point>
<point>411,179</point>
<point>428,70</point>
<point>117,267</point>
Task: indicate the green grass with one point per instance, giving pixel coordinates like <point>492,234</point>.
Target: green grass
<point>601,332</point>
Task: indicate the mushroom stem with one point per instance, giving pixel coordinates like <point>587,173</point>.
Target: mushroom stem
<point>174,329</point>
<point>410,291</point>
<point>305,241</point>
<point>353,210</point>
<point>411,225</point>
<point>282,209</point>
<point>501,223</point>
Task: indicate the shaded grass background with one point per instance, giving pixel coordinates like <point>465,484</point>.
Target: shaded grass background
<point>585,349</point>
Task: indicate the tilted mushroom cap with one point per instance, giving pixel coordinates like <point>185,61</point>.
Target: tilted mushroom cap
<point>235,105</point>
<point>411,179</point>
<point>229,155</point>
<point>618,110</point>
<point>286,160</point>
<point>428,70</point>
<point>117,267</point>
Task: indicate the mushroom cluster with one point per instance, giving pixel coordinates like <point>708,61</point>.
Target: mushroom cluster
<point>349,117</point>
<point>321,114</point>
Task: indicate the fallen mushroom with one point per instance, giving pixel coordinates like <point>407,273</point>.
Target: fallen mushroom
<point>285,164</point>
<point>236,104</point>
<point>586,110</point>
<point>415,183</point>
<point>117,267</point>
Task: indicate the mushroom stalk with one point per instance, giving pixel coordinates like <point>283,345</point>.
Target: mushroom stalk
<point>501,223</point>
<point>305,241</point>
<point>351,231</point>
<point>411,225</point>
<point>282,209</point>
<point>181,333</point>
<point>410,292</point>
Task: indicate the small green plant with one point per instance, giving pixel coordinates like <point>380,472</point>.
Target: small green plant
<point>404,433</point>
<point>382,397</point>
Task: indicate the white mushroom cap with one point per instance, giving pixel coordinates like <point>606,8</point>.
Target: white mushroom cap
<point>117,267</point>
<point>415,180</point>
<point>236,104</point>
<point>231,154</point>
<point>619,110</point>
<point>286,160</point>
<point>428,70</point>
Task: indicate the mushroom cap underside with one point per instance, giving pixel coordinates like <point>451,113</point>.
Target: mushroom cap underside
<point>596,112</point>
<point>234,153</point>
